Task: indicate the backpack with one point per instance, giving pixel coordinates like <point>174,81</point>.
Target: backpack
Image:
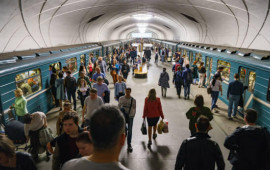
<point>178,77</point>
<point>71,83</point>
<point>189,77</point>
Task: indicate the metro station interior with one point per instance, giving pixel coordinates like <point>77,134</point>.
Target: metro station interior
<point>35,34</point>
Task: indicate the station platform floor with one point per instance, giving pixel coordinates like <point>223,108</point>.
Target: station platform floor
<point>164,150</point>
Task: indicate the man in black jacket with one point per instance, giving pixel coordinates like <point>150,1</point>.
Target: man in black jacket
<point>65,144</point>
<point>199,152</point>
<point>251,143</point>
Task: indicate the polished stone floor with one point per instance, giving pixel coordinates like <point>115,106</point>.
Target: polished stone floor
<point>164,150</point>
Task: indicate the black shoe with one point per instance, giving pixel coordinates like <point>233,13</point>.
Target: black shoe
<point>130,149</point>
<point>188,97</point>
<point>154,136</point>
<point>179,96</point>
<point>149,143</point>
<point>185,98</point>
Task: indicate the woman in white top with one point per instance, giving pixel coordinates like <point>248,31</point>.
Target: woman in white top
<point>33,124</point>
<point>216,86</point>
<point>83,91</point>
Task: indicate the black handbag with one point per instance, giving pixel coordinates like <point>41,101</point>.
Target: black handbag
<point>143,128</point>
<point>233,157</point>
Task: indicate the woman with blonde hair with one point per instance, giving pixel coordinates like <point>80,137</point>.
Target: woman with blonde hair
<point>152,111</point>
<point>114,71</point>
<point>202,72</point>
<point>20,105</point>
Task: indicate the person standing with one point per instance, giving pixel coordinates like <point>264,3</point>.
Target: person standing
<point>91,103</point>
<point>194,72</point>
<point>163,82</point>
<point>178,81</point>
<point>70,86</point>
<point>199,151</point>
<point>60,89</point>
<point>20,105</point>
<point>53,88</point>
<point>235,90</point>
<point>133,55</point>
<point>107,127</point>
<point>59,122</point>
<point>194,112</point>
<point>125,69</point>
<point>202,72</point>
<point>187,76</point>
<point>251,143</point>
<point>152,111</point>
<point>216,87</point>
<point>119,88</point>
<point>128,103</point>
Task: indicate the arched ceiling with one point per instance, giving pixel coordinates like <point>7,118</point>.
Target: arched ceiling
<point>30,24</point>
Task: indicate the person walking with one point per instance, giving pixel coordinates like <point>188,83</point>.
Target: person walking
<point>119,88</point>
<point>91,103</point>
<point>178,81</point>
<point>194,112</point>
<point>251,143</point>
<point>152,111</point>
<point>83,91</point>
<point>187,76</point>
<point>128,104</point>
<point>234,92</point>
<point>101,88</point>
<point>114,70</point>
<point>108,136</point>
<point>199,152</point>
<point>216,86</point>
<point>163,82</point>
<point>125,69</point>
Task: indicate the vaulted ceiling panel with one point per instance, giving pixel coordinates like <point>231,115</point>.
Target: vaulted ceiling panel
<point>28,24</point>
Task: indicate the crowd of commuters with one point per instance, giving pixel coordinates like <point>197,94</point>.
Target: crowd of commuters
<point>97,142</point>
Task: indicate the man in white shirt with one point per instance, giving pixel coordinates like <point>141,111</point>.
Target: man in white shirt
<point>91,103</point>
<point>127,104</point>
<point>107,127</point>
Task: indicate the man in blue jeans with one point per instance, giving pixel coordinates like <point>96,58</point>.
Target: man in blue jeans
<point>187,76</point>
<point>234,93</point>
<point>128,104</point>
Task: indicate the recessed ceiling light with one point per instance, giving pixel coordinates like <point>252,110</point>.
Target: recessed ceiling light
<point>142,17</point>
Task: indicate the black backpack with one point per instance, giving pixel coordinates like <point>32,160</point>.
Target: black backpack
<point>70,83</point>
<point>189,77</point>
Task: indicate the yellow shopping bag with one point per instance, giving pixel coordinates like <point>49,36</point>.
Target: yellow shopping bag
<point>160,127</point>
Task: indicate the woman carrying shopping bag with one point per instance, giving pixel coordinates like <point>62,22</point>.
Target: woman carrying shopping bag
<point>152,111</point>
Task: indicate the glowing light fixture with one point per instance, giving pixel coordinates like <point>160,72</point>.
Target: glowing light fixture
<point>142,17</point>
<point>142,24</point>
<point>142,29</point>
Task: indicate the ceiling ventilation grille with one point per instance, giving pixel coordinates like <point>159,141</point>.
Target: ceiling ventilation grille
<point>190,18</point>
<point>95,18</point>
